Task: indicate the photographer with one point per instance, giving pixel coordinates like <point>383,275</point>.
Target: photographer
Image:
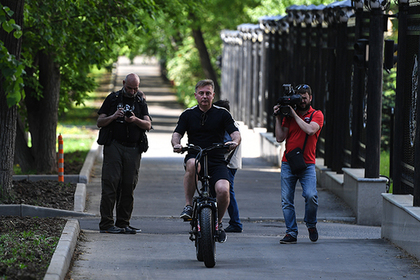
<point>126,115</point>
<point>300,127</point>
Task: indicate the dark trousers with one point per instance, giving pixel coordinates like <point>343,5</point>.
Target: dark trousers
<point>120,172</point>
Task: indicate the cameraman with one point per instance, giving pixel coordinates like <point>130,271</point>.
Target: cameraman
<point>293,128</point>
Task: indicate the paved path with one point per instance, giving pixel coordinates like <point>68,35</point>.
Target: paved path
<point>163,250</point>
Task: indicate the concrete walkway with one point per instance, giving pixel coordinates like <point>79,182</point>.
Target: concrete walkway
<point>163,251</point>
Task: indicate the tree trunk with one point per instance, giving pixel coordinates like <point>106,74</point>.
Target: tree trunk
<point>23,154</point>
<point>8,115</point>
<point>205,59</point>
<point>43,116</point>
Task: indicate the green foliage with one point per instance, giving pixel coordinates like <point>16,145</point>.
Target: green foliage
<point>12,253</point>
<point>388,104</point>
<point>274,8</point>
<point>168,37</point>
<point>11,68</point>
<point>78,34</point>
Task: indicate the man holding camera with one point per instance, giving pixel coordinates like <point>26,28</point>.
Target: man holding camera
<point>300,127</point>
<point>127,115</point>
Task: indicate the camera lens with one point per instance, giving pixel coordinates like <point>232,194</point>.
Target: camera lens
<point>285,110</point>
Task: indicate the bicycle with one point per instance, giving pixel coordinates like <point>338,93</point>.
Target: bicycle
<point>204,225</point>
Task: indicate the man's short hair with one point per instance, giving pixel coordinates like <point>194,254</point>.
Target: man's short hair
<point>223,103</point>
<point>204,83</point>
<point>303,88</point>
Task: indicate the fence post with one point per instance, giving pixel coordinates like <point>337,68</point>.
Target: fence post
<point>399,101</point>
<point>374,108</point>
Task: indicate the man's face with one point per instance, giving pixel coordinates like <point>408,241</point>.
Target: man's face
<point>204,95</point>
<point>306,101</point>
<point>131,86</point>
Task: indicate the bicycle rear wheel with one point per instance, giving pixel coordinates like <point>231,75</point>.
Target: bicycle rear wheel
<point>206,242</point>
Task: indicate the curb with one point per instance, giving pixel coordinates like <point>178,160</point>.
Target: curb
<point>61,259</point>
<point>60,262</point>
<point>24,210</point>
<point>83,176</point>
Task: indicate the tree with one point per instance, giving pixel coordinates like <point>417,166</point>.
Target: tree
<point>11,18</point>
<point>206,64</point>
<point>186,37</point>
<point>62,40</point>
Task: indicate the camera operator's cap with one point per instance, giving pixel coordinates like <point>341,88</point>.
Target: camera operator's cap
<point>304,88</point>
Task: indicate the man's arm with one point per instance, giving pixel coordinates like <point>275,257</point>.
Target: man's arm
<point>236,140</point>
<point>104,120</point>
<point>176,142</point>
<point>309,128</point>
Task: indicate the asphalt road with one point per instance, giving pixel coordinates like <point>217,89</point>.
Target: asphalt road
<point>163,251</point>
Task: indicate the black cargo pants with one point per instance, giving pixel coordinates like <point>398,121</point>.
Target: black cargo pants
<point>120,171</point>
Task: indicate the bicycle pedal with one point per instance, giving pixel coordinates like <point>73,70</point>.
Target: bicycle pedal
<point>187,219</point>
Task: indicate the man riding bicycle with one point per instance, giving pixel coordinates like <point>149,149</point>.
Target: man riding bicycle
<point>205,125</point>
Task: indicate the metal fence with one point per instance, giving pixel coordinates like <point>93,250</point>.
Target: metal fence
<point>338,50</point>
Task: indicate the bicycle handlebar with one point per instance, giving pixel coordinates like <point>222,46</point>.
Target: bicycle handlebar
<point>192,147</point>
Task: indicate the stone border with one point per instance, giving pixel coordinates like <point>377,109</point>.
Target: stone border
<point>63,254</point>
<point>83,176</point>
<point>60,261</point>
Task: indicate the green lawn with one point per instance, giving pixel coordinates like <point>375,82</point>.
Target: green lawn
<point>384,166</point>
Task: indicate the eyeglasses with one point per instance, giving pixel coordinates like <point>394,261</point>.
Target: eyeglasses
<point>303,86</point>
<point>207,93</point>
<point>203,118</point>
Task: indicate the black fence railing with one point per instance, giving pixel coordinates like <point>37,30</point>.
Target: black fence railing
<point>331,49</point>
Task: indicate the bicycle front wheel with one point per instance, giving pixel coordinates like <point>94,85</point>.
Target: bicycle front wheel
<point>198,250</point>
<point>207,241</point>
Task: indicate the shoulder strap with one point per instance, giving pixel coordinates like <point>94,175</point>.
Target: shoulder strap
<point>306,138</point>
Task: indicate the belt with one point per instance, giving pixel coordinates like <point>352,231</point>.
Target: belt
<point>127,144</point>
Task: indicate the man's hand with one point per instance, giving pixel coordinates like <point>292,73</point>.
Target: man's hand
<point>293,112</point>
<point>276,109</point>
<point>177,148</point>
<point>130,119</point>
<point>118,114</point>
<point>232,145</point>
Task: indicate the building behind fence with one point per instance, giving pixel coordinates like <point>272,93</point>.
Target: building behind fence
<point>338,50</point>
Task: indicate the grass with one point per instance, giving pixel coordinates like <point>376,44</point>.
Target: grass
<point>27,245</point>
<point>384,166</point>
<point>78,124</point>
<point>14,254</point>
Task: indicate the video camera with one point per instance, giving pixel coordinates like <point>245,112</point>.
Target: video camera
<point>290,97</point>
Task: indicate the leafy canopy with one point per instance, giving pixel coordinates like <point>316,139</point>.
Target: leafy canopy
<point>11,68</point>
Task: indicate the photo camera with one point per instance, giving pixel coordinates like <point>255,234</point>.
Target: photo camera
<point>128,113</point>
<point>290,97</point>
